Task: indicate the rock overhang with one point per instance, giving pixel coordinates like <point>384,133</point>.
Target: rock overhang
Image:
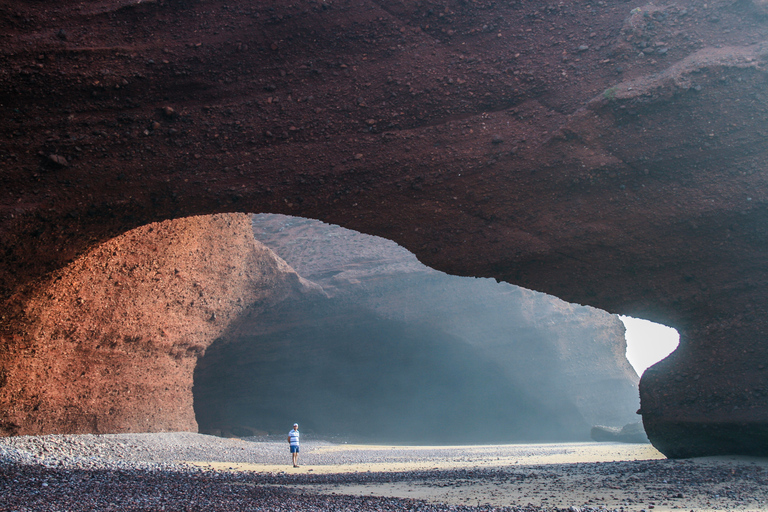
<point>481,137</point>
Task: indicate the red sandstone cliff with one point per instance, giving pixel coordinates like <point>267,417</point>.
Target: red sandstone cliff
<point>610,153</point>
<point>109,343</point>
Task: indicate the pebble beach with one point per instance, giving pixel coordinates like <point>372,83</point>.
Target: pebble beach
<point>189,472</point>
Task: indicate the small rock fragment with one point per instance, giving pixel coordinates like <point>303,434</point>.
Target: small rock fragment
<point>58,160</point>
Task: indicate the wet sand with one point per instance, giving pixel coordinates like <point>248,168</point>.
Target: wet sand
<point>186,471</point>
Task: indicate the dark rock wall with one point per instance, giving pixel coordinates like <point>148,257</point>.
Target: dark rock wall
<point>609,153</point>
<point>109,343</point>
<point>399,352</point>
<point>710,398</point>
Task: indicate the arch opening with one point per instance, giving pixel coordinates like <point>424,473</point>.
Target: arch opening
<point>393,351</point>
<point>119,333</point>
<point>648,342</point>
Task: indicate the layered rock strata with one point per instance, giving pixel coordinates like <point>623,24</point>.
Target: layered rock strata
<point>109,343</point>
<point>398,352</point>
<point>609,153</point>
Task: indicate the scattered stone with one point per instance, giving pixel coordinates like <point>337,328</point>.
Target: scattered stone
<point>583,48</point>
<point>58,160</point>
<point>84,472</point>
<point>630,433</point>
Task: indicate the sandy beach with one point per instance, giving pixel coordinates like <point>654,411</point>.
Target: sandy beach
<point>601,475</point>
<point>185,471</point>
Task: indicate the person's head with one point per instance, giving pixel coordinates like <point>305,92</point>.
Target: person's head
<point>295,426</point>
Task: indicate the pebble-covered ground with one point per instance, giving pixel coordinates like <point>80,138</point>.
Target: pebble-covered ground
<point>156,472</point>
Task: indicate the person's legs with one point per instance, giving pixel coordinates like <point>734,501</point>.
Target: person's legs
<point>295,454</point>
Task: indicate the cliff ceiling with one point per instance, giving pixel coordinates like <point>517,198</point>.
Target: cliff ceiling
<point>611,153</point>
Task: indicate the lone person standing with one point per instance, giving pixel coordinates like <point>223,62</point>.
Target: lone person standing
<point>293,441</point>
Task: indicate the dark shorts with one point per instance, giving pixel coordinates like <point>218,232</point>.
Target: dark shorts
<point>294,448</point>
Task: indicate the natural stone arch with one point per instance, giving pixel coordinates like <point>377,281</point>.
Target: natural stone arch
<point>109,344</point>
<point>637,190</point>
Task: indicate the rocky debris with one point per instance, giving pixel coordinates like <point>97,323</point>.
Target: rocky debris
<point>58,160</point>
<point>45,489</point>
<point>630,433</point>
<point>150,471</point>
<point>132,451</point>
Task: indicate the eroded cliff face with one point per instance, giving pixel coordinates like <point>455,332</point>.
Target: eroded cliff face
<point>109,343</point>
<point>609,153</point>
<point>398,352</point>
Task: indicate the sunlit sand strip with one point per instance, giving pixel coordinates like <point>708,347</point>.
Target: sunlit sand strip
<point>415,458</point>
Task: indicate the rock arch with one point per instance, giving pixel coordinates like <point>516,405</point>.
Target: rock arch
<point>601,153</point>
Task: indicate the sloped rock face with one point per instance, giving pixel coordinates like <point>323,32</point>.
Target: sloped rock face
<point>109,343</point>
<point>611,154</point>
<point>398,352</point>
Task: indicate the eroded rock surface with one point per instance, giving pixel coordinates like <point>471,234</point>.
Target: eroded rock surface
<point>398,352</point>
<point>109,343</point>
<point>491,139</point>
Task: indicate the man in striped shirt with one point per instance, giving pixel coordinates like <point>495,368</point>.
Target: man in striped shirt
<point>293,441</point>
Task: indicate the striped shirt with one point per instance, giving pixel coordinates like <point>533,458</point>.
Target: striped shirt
<point>294,435</point>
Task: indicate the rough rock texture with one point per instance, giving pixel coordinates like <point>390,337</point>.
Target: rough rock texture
<point>398,352</point>
<point>109,343</point>
<point>629,433</point>
<point>610,153</point>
